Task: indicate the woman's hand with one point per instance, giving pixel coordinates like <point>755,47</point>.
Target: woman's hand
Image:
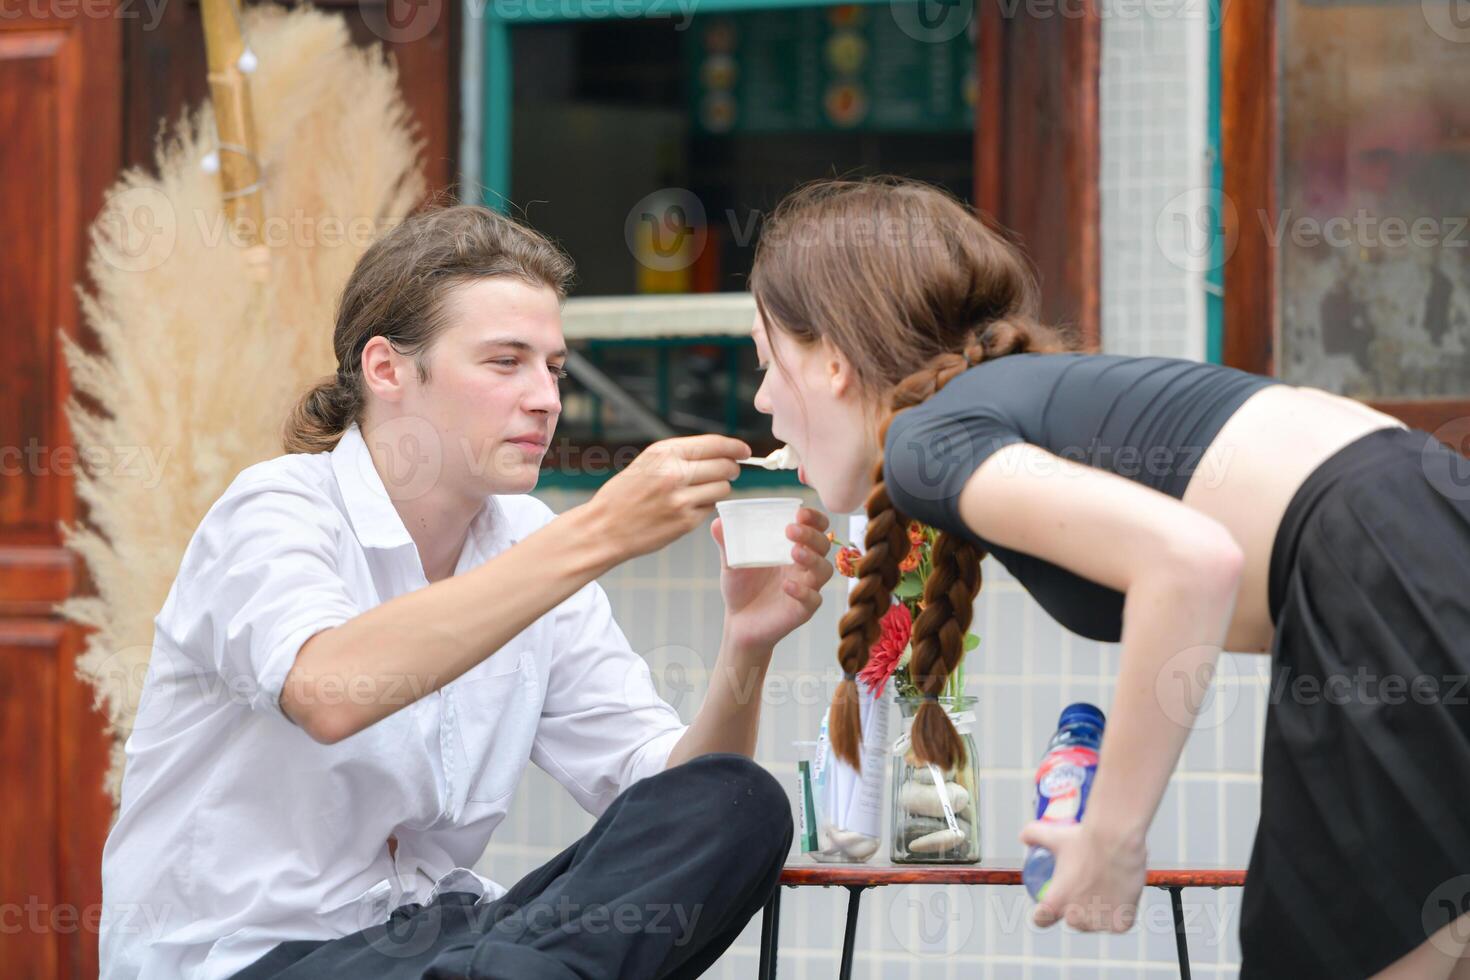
<point>1097,881</point>
<point>763,605</point>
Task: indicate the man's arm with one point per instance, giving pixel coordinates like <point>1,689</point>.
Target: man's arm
<point>351,676</point>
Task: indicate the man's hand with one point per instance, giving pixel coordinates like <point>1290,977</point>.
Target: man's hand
<point>667,491</point>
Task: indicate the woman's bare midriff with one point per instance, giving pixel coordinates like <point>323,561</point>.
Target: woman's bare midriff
<point>1254,466</point>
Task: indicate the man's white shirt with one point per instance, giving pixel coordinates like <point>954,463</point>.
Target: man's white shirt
<point>238,831</point>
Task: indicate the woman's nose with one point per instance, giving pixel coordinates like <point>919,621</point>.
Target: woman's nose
<point>762,400</point>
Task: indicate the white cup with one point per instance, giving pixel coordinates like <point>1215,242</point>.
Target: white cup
<point>755,530</point>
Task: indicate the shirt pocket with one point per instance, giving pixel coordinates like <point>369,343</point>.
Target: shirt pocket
<point>495,717</point>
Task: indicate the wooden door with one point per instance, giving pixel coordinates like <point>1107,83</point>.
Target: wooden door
<point>60,71</point>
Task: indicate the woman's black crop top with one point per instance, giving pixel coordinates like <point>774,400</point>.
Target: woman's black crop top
<point>1149,419</point>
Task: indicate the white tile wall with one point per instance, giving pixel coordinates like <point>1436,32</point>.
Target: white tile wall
<point>1152,103</point>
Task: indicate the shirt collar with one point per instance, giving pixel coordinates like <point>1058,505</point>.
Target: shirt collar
<point>374,518</point>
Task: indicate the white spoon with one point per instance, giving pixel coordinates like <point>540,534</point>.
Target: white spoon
<point>782,459</point>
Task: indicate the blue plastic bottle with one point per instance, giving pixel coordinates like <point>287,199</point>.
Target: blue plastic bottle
<point>1062,782</point>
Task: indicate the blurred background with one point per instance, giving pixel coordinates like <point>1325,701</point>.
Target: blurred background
<point>1278,185</point>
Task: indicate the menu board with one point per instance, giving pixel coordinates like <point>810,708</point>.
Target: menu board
<point>850,67</point>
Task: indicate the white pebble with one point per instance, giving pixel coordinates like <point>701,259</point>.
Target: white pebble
<point>924,800</point>
<point>858,846</point>
<point>940,840</point>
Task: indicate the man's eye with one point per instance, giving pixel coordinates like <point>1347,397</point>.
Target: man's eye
<point>505,362</point>
<point>560,374</point>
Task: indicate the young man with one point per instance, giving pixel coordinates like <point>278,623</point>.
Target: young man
<point>371,636</point>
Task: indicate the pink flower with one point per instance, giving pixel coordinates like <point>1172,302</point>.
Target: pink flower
<point>896,626</point>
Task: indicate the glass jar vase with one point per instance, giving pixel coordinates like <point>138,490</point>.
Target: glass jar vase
<point>924,830</point>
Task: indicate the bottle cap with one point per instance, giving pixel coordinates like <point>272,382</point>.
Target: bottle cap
<point>1082,712</point>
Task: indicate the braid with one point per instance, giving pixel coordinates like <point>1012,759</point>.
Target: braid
<point>939,642</point>
<point>938,637</point>
<point>885,545</point>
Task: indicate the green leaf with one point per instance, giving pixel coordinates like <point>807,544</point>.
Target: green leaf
<point>909,587</point>
<point>903,684</point>
<point>971,642</point>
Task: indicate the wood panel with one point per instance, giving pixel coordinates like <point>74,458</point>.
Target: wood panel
<point>37,206</point>
<point>1447,418</point>
<point>34,579</point>
<point>59,113</point>
<point>1037,151</point>
<point>1248,149</point>
<point>83,753</point>
<point>29,943</point>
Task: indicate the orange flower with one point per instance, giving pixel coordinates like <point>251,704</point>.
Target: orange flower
<point>847,562</point>
<point>911,563</point>
<point>917,538</point>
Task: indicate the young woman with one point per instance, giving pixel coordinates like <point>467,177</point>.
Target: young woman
<point>370,637</point>
<point>1179,507</point>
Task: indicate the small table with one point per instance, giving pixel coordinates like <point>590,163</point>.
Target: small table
<point>857,878</point>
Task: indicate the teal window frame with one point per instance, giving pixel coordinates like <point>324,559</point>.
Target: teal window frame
<point>1215,274</point>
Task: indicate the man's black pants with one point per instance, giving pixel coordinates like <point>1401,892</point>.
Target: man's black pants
<point>658,888</point>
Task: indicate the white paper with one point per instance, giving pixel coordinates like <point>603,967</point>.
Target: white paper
<point>859,797</point>
<point>865,808</point>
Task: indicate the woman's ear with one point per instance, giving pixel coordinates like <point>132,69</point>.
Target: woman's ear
<point>840,376</point>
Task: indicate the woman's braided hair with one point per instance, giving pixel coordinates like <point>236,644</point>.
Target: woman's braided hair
<point>909,319</point>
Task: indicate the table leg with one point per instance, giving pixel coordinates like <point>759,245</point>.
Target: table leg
<point>770,936</point>
<point>854,896</point>
<point>1180,942</point>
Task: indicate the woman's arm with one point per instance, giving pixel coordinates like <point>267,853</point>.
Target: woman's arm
<point>1179,571</point>
<point>729,717</point>
<point>762,607</point>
